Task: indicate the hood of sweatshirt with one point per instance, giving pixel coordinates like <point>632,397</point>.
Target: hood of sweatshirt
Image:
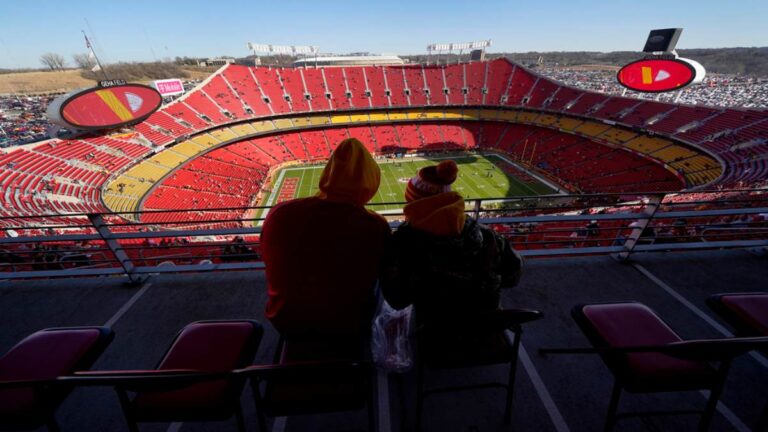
<point>351,175</point>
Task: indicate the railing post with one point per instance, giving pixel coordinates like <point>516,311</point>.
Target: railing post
<point>648,212</point>
<point>476,212</point>
<point>109,239</point>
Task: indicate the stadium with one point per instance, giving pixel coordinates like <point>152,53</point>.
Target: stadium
<point>609,198</point>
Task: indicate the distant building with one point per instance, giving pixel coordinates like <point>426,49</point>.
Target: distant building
<point>220,61</point>
<point>354,60</point>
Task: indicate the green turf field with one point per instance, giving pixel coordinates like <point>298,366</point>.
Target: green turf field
<point>480,176</point>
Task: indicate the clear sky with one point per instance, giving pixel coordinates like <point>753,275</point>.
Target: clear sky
<point>141,30</point>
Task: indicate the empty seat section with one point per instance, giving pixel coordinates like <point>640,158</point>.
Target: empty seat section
<point>218,89</point>
<point>520,86</point>
<point>410,137</point>
<point>643,112</point>
<point>492,133</point>
<point>586,103</point>
<point>203,105</point>
<point>363,133</point>
<point>396,86</point>
<point>541,93</point>
<point>435,84</point>
<point>386,138</point>
<point>182,112</point>
<point>454,79</point>
<point>160,118</point>
<point>681,116</point>
<point>613,107</point>
<point>316,88</point>
<point>295,87</point>
<point>473,133</point>
<point>454,137</point>
<point>317,146</point>
<point>295,146</point>
<point>242,80</point>
<point>415,83</point>
<point>337,86</point>
<point>357,85</point>
<point>270,84</point>
<point>375,79</point>
<point>498,78</point>
<point>335,136</point>
<point>474,75</point>
<point>562,98</point>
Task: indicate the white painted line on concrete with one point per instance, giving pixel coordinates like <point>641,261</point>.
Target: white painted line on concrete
<point>732,418</point>
<point>279,424</point>
<point>549,404</point>
<point>698,312</point>
<point>174,427</point>
<point>119,314</point>
<point>382,401</point>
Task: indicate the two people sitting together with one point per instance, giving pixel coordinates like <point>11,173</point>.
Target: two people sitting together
<point>325,254</point>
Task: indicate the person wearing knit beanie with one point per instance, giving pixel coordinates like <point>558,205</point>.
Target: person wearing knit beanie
<point>442,261</point>
<point>431,180</point>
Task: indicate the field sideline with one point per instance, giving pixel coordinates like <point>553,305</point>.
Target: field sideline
<point>480,176</point>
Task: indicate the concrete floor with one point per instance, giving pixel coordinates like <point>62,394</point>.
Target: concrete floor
<point>557,393</point>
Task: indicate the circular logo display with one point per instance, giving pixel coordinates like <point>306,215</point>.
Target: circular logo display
<point>109,107</point>
<point>657,75</point>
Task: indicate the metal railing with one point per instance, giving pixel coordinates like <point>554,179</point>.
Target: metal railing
<point>171,241</point>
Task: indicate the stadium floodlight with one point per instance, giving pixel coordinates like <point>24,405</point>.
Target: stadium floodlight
<point>461,46</point>
<point>282,49</point>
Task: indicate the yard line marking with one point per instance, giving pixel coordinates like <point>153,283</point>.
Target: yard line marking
<point>698,312</point>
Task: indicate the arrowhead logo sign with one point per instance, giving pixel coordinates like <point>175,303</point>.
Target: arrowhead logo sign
<point>134,101</point>
<point>657,75</point>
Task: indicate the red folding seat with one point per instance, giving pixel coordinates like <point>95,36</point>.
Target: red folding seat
<point>41,357</point>
<point>745,312</point>
<point>646,356</point>
<point>200,347</point>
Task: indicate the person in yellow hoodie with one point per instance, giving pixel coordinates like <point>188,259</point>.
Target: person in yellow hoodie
<point>442,261</point>
<point>323,254</point>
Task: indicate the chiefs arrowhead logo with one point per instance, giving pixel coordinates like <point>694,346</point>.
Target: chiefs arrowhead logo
<point>662,75</point>
<point>134,101</point>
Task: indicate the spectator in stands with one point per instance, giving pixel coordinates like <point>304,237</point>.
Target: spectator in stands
<point>442,261</point>
<point>323,253</point>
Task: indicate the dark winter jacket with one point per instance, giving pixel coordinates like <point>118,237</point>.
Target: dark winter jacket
<point>449,278</point>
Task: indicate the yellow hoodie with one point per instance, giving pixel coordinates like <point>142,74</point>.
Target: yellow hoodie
<point>351,175</point>
<point>440,215</point>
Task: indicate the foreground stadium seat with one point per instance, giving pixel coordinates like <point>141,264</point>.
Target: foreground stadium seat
<point>646,356</point>
<point>43,356</point>
<point>480,344</point>
<point>747,313</point>
<point>203,346</point>
<point>314,375</point>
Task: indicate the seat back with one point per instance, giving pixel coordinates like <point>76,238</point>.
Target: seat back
<point>747,313</point>
<point>45,355</point>
<point>635,324</point>
<point>206,346</point>
<point>299,389</point>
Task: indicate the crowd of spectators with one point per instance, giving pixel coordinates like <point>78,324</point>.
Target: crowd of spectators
<point>722,90</point>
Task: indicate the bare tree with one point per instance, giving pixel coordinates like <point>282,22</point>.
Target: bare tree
<point>53,61</point>
<point>83,61</point>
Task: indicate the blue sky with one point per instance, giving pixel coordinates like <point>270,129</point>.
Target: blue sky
<point>141,30</point>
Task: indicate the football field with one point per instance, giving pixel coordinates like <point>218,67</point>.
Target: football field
<point>480,176</point>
